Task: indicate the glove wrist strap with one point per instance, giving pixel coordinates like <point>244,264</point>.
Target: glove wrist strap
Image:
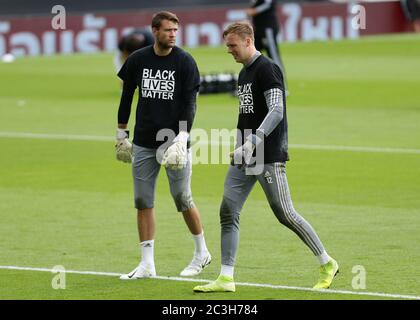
<point>254,139</point>
<point>122,133</point>
<point>182,136</point>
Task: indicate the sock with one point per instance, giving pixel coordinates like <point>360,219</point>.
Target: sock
<point>200,243</point>
<point>227,271</point>
<point>146,248</point>
<point>323,258</point>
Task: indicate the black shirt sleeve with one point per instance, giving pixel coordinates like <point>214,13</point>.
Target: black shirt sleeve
<point>270,77</point>
<point>190,84</point>
<point>129,86</point>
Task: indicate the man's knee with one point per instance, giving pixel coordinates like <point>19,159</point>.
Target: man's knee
<point>183,201</point>
<point>286,216</point>
<point>229,213</point>
<point>279,212</point>
<point>141,202</point>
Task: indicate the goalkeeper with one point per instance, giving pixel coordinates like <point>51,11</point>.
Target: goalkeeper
<point>168,81</point>
<point>262,127</point>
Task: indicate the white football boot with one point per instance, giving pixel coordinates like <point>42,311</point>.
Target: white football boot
<point>197,264</point>
<point>141,271</point>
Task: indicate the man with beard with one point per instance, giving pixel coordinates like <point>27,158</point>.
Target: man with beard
<point>168,82</point>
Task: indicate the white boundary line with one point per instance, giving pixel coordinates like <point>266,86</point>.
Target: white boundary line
<point>52,136</point>
<point>247,284</point>
<point>355,149</point>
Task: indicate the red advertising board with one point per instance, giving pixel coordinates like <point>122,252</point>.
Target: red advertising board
<point>95,32</point>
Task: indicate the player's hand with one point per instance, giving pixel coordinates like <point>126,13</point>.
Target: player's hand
<point>123,147</point>
<point>242,155</point>
<point>175,157</point>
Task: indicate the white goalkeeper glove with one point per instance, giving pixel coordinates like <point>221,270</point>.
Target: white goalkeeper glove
<point>242,155</point>
<point>123,147</point>
<point>175,157</point>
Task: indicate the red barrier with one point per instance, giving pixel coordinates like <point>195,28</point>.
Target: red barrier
<point>99,32</point>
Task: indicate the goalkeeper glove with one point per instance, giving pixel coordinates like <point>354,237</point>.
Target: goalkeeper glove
<point>123,147</point>
<point>175,157</point>
<point>242,155</point>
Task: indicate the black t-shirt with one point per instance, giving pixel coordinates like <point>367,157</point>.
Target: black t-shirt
<point>168,87</point>
<point>266,18</point>
<point>263,74</point>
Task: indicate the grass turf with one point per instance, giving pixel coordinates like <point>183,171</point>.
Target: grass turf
<point>67,202</point>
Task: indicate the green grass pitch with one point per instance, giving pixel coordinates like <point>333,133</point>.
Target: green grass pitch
<point>69,202</point>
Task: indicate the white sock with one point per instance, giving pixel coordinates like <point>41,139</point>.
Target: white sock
<point>146,248</point>
<point>200,243</point>
<point>323,258</point>
<point>227,270</point>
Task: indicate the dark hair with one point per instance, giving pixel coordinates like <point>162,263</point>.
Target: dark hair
<point>163,15</point>
<point>132,42</point>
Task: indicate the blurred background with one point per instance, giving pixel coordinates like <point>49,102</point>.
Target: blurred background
<point>92,26</point>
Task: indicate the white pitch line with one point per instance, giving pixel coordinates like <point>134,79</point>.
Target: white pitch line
<point>53,136</point>
<point>245,284</point>
<point>354,148</point>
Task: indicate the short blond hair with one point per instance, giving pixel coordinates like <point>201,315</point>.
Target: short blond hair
<point>241,28</point>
